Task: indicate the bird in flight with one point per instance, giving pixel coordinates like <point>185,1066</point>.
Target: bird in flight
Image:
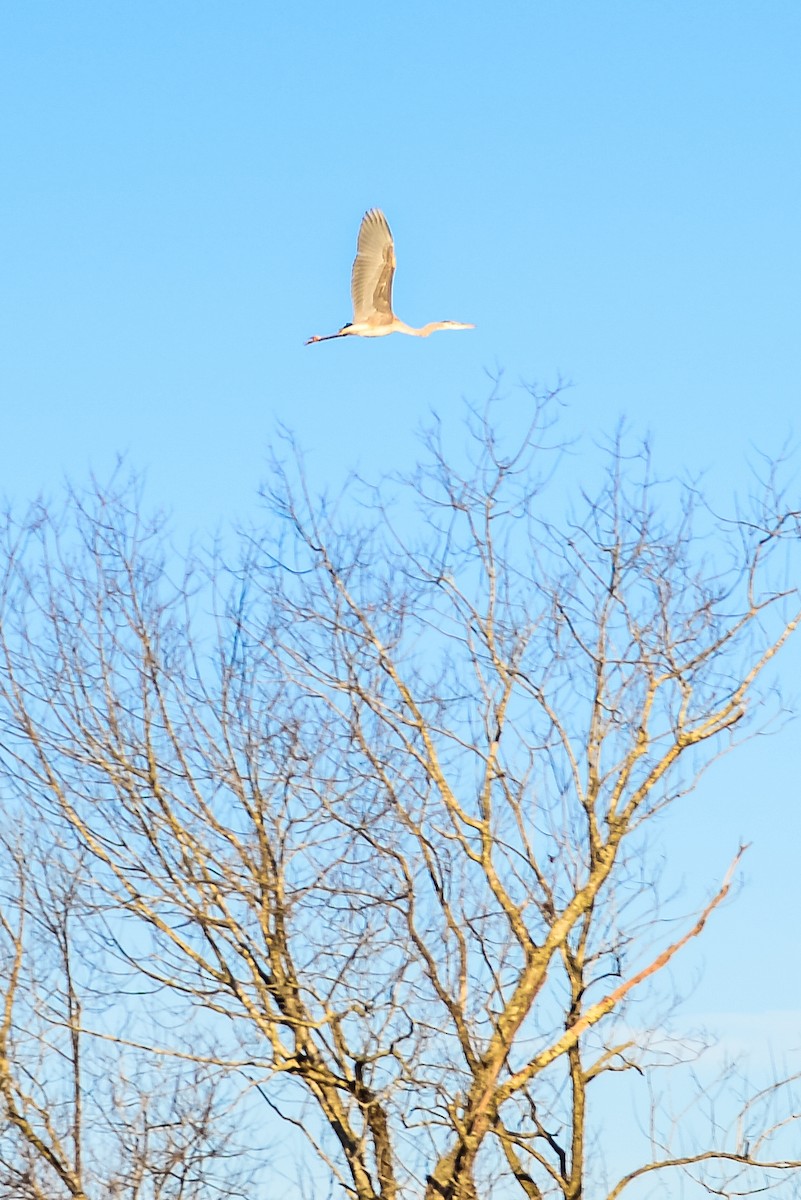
<point>371,287</point>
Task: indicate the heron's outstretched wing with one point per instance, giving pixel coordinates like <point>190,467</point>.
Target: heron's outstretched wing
<point>373,269</point>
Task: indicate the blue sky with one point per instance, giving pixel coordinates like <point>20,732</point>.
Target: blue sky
<point>610,191</point>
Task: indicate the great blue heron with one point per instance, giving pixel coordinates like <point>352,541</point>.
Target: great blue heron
<point>371,287</point>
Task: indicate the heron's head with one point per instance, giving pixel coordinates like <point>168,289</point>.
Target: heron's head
<point>456,325</point>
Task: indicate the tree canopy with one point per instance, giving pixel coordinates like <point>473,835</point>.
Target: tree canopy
<point>352,823</point>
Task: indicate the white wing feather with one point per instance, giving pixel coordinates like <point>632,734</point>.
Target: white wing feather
<point>373,271</point>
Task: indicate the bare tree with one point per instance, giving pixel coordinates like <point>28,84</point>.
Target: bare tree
<point>376,800</point>
<point>91,1118</point>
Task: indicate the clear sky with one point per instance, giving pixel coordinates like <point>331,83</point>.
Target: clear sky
<point>611,191</point>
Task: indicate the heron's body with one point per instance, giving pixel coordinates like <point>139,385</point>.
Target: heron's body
<point>371,288</point>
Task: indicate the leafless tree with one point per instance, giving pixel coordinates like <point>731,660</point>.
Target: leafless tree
<point>91,1118</point>
<point>376,799</point>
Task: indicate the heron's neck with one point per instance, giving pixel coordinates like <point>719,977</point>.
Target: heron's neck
<point>424,330</point>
